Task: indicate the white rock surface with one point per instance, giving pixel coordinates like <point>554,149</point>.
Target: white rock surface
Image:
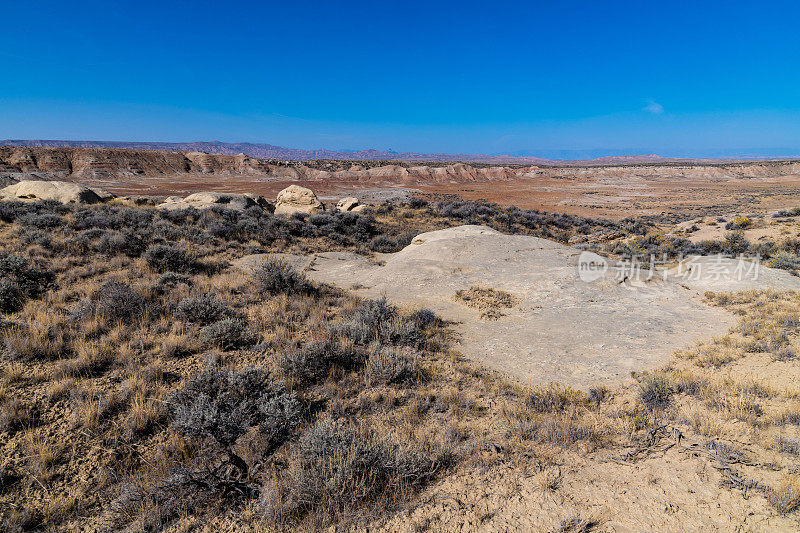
<point>60,191</point>
<point>207,200</point>
<point>347,204</point>
<point>564,329</point>
<point>721,274</point>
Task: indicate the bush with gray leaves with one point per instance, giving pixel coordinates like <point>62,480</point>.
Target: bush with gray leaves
<point>202,310</point>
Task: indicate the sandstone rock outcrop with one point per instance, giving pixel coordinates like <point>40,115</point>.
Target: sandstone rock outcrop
<point>563,328</point>
<point>60,191</point>
<point>296,199</point>
<point>207,200</point>
<point>347,204</point>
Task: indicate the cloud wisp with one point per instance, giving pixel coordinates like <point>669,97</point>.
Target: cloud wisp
<point>654,108</point>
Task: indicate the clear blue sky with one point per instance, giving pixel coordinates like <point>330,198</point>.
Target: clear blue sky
<point>675,78</point>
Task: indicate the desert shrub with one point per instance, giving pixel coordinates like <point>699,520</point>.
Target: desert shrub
<point>763,249</point>
<point>785,353</point>
<point>41,220</point>
<point>214,411</point>
<point>163,231</point>
<point>10,211</point>
<point>384,244</point>
<point>735,242</point>
<point>322,219</point>
<point>786,498</point>
<point>417,203</point>
<point>379,321</point>
<point>793,212</point>
<point>126,243</point>
<point>387,365</point>
<point>173,279</point>
<point>30,280</point>
<point>203,309</point>
<point>228,334</point>
<point>597,395</point>
<point>36,237</point>
<point>787,444</point>
<point>575,523</point>
<point>164,258</point>
<point>790,244</point>
<point>314,361</point>
<point>552,398</point>
<point>118,301</point>
<point>221,406</point>
<point>11,296</point>
<point>739,222</point>
<point>490,302</point>
<point>277,276</point>
<point>425,318</point>
<point>655,391</point>
<point>784,260</point>
<point>337,468</point>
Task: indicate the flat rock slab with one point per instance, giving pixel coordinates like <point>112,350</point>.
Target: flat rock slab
<point>721,274</point>
<point>563,329</point>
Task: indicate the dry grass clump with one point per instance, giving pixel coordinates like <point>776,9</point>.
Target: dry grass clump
<point>786,497</point>
<point>337,468</point>
<point>37,340</point>
<point>490,302</point>
<point>554,415</point>
<point>576,523</point>
<point>15,414</point>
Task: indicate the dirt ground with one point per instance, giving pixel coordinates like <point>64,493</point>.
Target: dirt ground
<point>597,195</point>
<point>628,195</point>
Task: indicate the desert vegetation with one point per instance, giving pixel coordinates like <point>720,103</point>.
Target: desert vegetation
<point>490,302</point>
<point>146,384</point>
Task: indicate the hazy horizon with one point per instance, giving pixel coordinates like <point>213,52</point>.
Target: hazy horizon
<point>551,154</point>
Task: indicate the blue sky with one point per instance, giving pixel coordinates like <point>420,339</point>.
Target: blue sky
<point>674,78</point>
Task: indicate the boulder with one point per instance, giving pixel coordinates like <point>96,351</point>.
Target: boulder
<point>207,200</point>
<point>60,191</point>
<point>347,204</point>
<point>103,194</point>
<point>136,200</point>
<point>359,208</point>
<point>296,199</point>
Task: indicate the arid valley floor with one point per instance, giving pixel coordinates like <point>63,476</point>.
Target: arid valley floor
<point>194,342</point>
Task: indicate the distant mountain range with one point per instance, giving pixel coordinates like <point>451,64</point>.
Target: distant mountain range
<point>269,151</point>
